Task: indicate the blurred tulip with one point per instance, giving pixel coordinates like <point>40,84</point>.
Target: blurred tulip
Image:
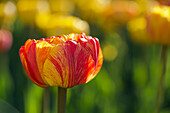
<point>118,13</point>
<point>63,61</point>
<point>9,9</point>
<point>95,7</point>
<point>5,40</point>
<point>63,6</point>
<point>7,14</point>
<point>158,24</point>
<point>122,11</point>
<point>60,24</point>
<point>137,30</point>
<point>27,10</point>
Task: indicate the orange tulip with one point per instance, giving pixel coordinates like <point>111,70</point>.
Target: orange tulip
<point>63,61</point>
<point>121,11</point>
<point>158,24</point>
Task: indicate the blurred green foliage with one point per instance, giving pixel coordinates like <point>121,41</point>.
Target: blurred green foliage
<point>127,82</point>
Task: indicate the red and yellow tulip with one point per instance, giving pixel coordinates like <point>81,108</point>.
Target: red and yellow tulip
<point>63,61</point>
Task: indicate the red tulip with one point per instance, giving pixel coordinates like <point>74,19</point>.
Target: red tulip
<point>63,61</point>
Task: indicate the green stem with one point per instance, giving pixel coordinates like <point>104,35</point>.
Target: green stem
<point>45,101</point>
<point>160,93</point>
<point>62,99</point>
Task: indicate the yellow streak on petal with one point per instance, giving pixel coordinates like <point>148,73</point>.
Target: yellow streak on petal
<point>27,45</point>
<point>51,75</point>
<point>43,49</point>
<point>58,52</point>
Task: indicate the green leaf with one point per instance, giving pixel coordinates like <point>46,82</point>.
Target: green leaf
<point>6,108</point>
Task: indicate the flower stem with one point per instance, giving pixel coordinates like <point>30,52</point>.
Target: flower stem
<point>160,93</point>
<point>45,101</point>
<point>62,99</point>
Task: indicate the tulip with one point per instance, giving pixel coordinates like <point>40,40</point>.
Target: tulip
<point>158,24</point>
<point>63,61</point>
<point>27,10</point>
<point>95,7</point>
<point>50,23</point>
<point>118,13</point>
<point>7,14</point>
<point>122,11</point>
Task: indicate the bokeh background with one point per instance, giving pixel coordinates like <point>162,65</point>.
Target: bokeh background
<point>129,77</point>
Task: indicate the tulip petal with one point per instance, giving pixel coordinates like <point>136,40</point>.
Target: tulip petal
<point>24,62</point>
<point>68,64</point>
<point>98,67</point>
<point>33,66</point>
<point>28,44</point>
<point>22,57</point>
<point>43,48</point>
<point>92,46</point>
<point>54,40</point>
